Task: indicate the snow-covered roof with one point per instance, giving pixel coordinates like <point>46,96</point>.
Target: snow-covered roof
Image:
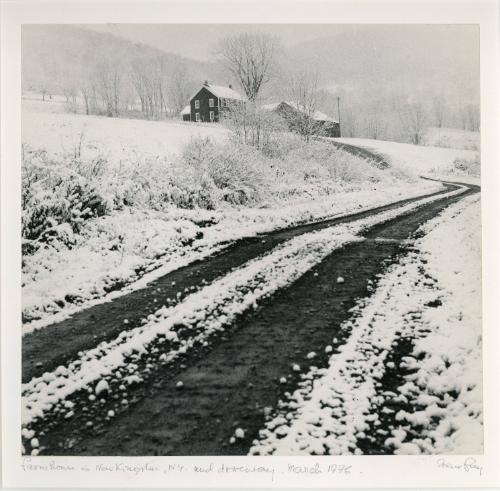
<point>224,92</point>
<point>317,116</point>
<point>221,91</point>
<point>186,110</point>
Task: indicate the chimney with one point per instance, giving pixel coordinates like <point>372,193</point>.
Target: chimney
<point>206,83</point>
<point>230,86</point>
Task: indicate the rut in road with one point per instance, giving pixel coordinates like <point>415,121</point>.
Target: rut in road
<point>235,381</point>
<point>45,349</point>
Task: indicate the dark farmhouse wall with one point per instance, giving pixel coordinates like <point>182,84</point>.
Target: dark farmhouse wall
<point>204,95</point>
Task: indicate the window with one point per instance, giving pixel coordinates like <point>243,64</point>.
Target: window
<point>223,102</point>
<point>197,104</point>
<point>212,116</point>
<point>210,103</point>
<point>197,115</point>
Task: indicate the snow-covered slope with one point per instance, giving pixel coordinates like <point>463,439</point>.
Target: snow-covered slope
<point>424,160</point>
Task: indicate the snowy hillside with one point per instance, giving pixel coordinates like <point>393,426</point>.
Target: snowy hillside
<point>427,161</point>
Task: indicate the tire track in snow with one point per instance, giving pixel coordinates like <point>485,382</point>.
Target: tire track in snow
<point>41,395</point>
<point>43,350</point>
<point>354,404</point>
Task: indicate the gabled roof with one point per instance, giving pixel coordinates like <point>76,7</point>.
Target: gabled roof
<point>317,116</point>
<point>221,91</point>
<point>225,92</point>
<point>186,110</point>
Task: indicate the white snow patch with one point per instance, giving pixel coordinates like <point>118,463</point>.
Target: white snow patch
<point>239,433</point>
<point>450,373</point>
<point>102,386</point>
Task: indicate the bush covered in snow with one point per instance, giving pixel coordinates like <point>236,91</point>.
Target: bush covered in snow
<point>57,198</point>
<point>234,173</point>
<point>470,167</point>
<point>63,191</point>
<point>60,192</point>
<point>246,175</point>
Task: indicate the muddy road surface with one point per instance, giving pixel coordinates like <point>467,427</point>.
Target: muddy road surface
<point>45,349</point>
<point>194,404</point>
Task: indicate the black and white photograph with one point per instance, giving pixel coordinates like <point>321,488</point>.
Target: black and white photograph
<point>240,240</point>
<point>251,240</point>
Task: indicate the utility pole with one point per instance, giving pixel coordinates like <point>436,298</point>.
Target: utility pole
<point>338,111</point>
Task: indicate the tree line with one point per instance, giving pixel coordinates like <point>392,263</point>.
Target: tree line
<point>115,81</point>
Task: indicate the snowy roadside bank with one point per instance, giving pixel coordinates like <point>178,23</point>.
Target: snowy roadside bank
<point>125,251</point>
<point>337,408</point>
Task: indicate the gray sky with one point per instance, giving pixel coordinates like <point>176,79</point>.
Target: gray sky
<point>198,40</point>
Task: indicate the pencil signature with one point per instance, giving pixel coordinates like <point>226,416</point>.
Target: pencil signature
<point>470,464</point>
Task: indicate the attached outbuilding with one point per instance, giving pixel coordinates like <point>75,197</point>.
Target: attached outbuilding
<point>209,102</point>
<point>294,114</point>
<point>186,113</point>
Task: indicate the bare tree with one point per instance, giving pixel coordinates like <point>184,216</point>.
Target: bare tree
<point>413,119</point>
<point>375,126</point>
<point>107,78</point>
<point>253,125</point>
<point>305,97</point>
<point>149,79</point>
<point>439,109</point>
<point>250,59</point>
<point>349,123</point>
<point>69,87</point>
<point>181,87</point>
<point>470,116</point>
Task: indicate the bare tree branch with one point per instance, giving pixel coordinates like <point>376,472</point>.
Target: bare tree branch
<point>249,58</point>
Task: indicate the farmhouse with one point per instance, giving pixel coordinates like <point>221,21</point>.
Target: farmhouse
<point>294,114</point>
<point>208,103</point>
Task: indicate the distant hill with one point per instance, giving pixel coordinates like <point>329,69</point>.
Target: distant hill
<point>439,57</point>
<point>53,53</point>
<point>378,70</point>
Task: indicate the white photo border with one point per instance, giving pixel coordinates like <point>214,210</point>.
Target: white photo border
<point>133,472</point>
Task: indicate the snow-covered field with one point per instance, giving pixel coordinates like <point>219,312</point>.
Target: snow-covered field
<point>119,138</point>
<point>432,298</point>
<point>434,162</point>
